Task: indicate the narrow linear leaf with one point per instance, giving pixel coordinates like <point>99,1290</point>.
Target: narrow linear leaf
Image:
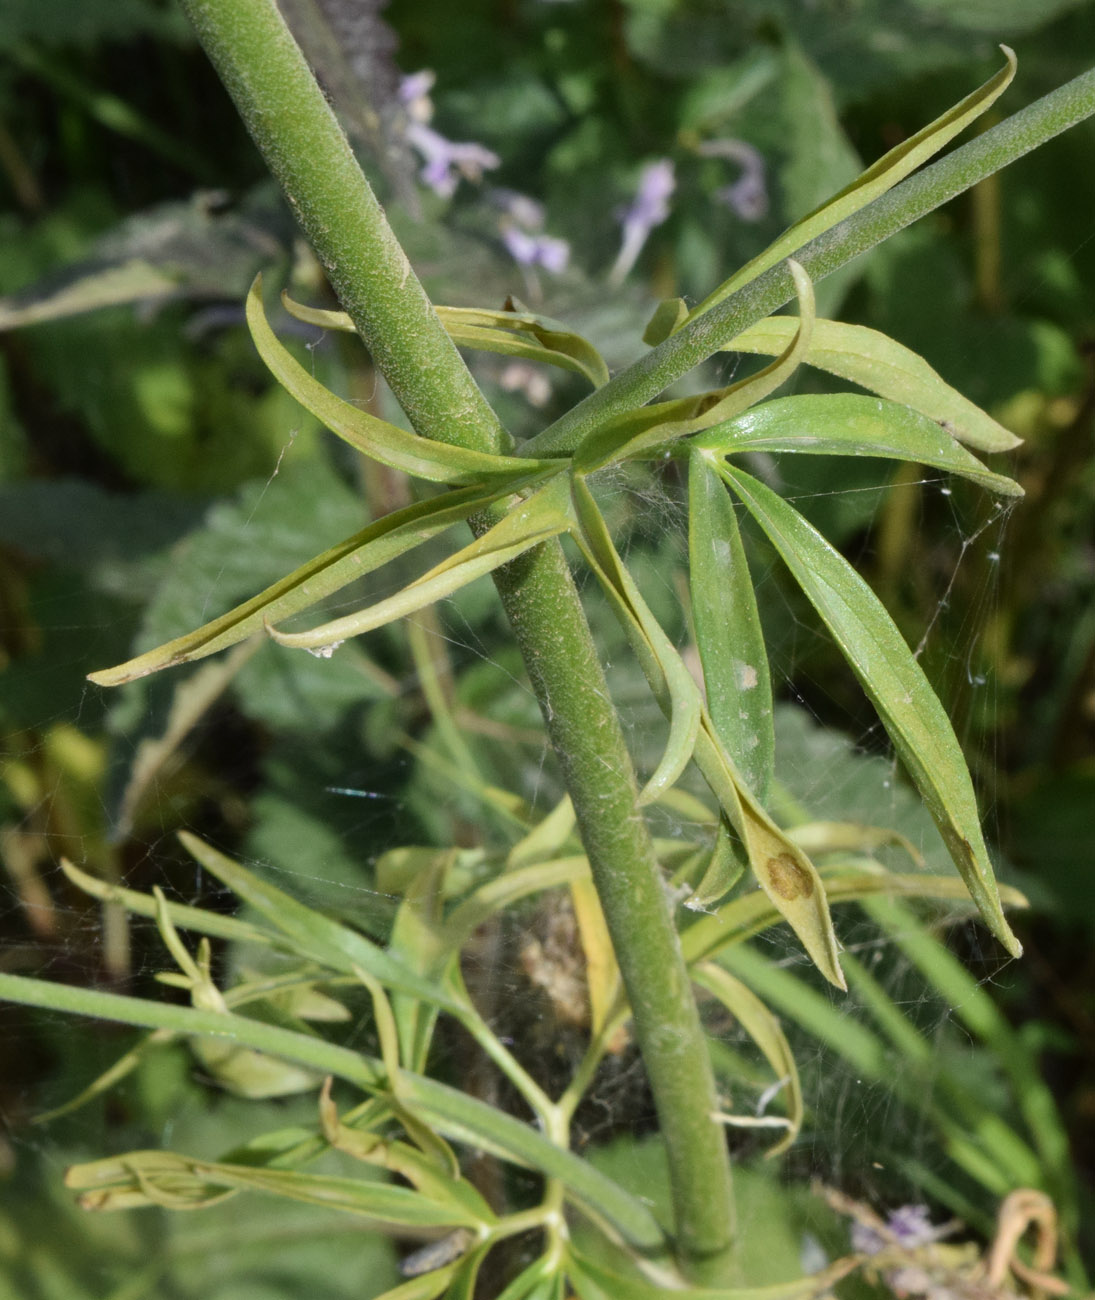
<point>652,426</point>
<point>167,1175</point>
<point>882,365</point>
<point>453,1113</point>
<point>436,461</point>
<point>846,424</point>
<point>664,669</point>
<point>520,882</point>
<point>729,636</point>
<point>895,683</point>
<point>361,554</point>
<point>753,913</point>
<point>541,516</point>
<point>511,333</point>
<point>185,917</point>
<point>764,1029</point>
<point>313,935</point>
<point>869,185</point>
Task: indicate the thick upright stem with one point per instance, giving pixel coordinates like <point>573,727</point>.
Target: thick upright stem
<point>551,630</point>
<point>302,143</point>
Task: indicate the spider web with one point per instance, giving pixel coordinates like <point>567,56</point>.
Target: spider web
<point>309,770</point>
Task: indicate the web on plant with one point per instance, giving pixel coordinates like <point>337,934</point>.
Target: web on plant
<point>310,770</point>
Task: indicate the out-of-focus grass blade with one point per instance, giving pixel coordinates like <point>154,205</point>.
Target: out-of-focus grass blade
<point>894,681</point>
<point>603,978</point>
<point>846,424</point>
<point>438,462</point>
<point>363,553</point>
<point>728,631</point>
<point>882,365</point>
<point>978,1012</point>
<point>663,667</point>
<point>313,935</point>
<point>977,1139</point>
<point>764,1029</point>
<point>526,524</point>
<point>506,889</point>
<point>869,185</point>
<point>650,426</point>
<point>511,333</point>
<point>546,838</point>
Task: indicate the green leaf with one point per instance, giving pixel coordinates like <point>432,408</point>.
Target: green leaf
<point>666,672</point>
<point>215,924</point>
<point>753,913</point>
<point>511,333</point>
<point>784,872</point>
<point>313,935</point>
<point>875,181</point>
<point>651,426</point>
<point>670,313</point>
<point>178,1181</point>
<point>451,1112</point>
<point>880,364</point>
<point>895,683</point>
<point>526,524</point>
<point>364,552</point>
<point>437,461</point>
<point>725,867</point>
<point>729,636</point>
<point>844,424</point>
<point>764,1029</point>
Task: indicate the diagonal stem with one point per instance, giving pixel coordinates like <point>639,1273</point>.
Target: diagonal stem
<point>905,203</point>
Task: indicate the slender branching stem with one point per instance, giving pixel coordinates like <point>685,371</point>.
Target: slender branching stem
<point>893,211</point>
<point>293,126</point>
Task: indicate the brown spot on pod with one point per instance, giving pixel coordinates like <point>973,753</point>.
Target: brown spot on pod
<point>788,878</point>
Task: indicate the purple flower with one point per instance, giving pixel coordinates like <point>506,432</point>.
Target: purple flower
<point>648,209</point>
<point>748,195</point>
<point>446,161</point>
<point>536,250</point>
<point>414,93</point>
<point>910,1226</point>
<point>521,224</point>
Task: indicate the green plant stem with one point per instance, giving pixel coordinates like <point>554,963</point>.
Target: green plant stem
<point>905,203</point>
<point>305,148</point>
<point>293,126</point>
<point>539,597</point>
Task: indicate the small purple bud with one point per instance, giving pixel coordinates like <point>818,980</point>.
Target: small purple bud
<point>446,161</point>
<point>748,195</point>
<point>648,209</point>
